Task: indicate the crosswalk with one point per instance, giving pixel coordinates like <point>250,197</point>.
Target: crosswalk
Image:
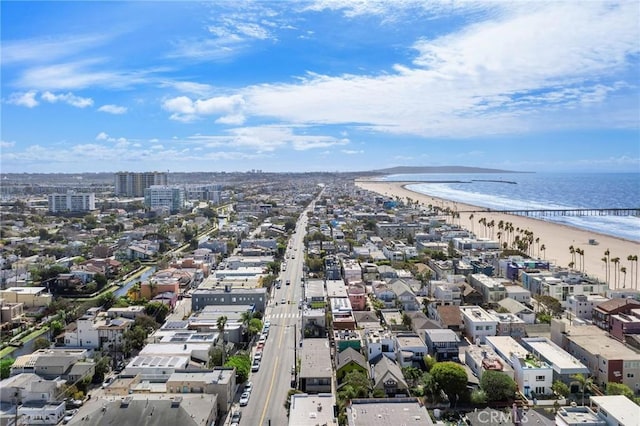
<point>282,316</point>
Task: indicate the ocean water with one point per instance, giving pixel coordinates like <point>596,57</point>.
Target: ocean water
<point>519,191</point>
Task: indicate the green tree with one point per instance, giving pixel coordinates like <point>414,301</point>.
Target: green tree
<point>412,375</point>
<point>157,310</point>
<point>242,364</point>
<point>100,280</point>
<point>359,382</point>
<point>221,324</point>
<point>451,378</point>
<point>479,397</point>
<point>56,328</point>
<point>614,388</point>
<point>497,386</point>
<point>429,362</point>
<point>255,326</point>
<point>107,300</point>
<point>5,367</point>
<point>560,388</point>
<point>41,343</point>
<point>215,356</point>
<point>102,368</point>
<point>585,383</point>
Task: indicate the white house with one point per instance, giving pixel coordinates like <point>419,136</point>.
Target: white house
<point>478,323</point>
<point>379,342</point>
<point>533,376</point>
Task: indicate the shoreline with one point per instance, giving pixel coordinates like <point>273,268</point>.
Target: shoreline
<point>556,238</point>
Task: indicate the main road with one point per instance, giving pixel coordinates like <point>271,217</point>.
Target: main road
<point>273,380</point>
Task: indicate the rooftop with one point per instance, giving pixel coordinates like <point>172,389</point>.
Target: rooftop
<point>561,361</point>
<point>311,410</point>
<point>387,412</point>
<point>619,407</point>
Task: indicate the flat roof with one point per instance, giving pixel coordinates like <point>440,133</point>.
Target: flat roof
<point>24,290</point>
<point>387,412</point>
<point>561,361</point>
<point>311,410</point>
<point>598,342</point>
<point>315,358</point>
<point>476,314</point>
<point>578,415</point>
<point>621,408</point>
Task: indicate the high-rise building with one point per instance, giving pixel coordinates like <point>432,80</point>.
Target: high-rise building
<point>158,197</point>
<point>72,202</point>
<point>132,184</point>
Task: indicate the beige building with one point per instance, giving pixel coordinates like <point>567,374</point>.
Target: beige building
<point>30,296</point>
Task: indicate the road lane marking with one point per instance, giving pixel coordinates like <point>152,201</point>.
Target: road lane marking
<point>273,378</point>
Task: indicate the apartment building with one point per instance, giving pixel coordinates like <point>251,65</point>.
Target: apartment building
<point>491,289</point>
<point>132,184</point>
<point>164,197</point>
<point>478,323</point>
<point>72,202</point>
<point>581,305</point>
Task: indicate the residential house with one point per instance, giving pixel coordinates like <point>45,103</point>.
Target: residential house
<point>410,350</point>
<point>220,381</point>
<point>581,305</point>
<point>387,376</point>
<point>481,358</point>
<point>379,342</point>
<point>616,410</point>
<point>442,344</point>
<point>315,366</point>
<point>518,309</point>
<point>387,411</point>
<point>564,365</point>
<point>602,313</point>
<point>404,295</point>
<point>449,317</point>
<point>384,293</point>
<point>350,360</point>
<point>478,323</point>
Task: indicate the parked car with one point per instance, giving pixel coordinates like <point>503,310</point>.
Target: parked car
<point>255,366</point>
<point>244,398</point>
<point>248,387</point>
<point>258,356</point>
<point>107,382</point>
<point>235,417</point>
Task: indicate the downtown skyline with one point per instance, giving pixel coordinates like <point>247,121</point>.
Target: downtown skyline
<point>324,85</point>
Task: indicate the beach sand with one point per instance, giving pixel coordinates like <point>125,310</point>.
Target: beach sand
<point>556,238</point>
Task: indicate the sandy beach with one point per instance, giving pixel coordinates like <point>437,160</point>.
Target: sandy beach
<point>556,238</point>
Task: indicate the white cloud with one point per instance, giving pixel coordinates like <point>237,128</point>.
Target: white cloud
<point>113,109</point>
<point>352,151</point>
<point>7,144</point>
<point>47,49</point>
<point>102,136</point>
<point>25,99</point>
<point>68,98</point>
<point>267,139</point>
<point>186,110</point>
<point>499,76</point>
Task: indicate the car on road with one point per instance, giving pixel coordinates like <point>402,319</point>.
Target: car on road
<point>258,356</point>
<point>255,366</point>
<point>267,324</point>
<point>244,398</point>
<point>107,382</point>
<point>248,387</point>
<point>235,417</point>
<point>288,282</point>
<point>283,301</point>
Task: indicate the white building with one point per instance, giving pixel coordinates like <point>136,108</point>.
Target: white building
<point>379,342</point>
<point>533,376</point>
<point>491,289</point>
<point>518,293</point>
<point>97,330</point>
<point>167,197</point>
<point>616,410</point>
<point>581,305</point>
<point>351,271</point>
<point>478,323</point>
<point>447,294</point>
<point>72,202</point>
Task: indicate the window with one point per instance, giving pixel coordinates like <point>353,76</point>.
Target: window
<point>539,378</point>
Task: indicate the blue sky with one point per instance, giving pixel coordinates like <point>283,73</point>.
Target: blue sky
<point>327,85</point>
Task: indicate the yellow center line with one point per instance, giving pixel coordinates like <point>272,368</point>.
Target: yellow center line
<point>273,379</point>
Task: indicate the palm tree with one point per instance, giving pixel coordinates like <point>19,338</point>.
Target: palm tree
<point>543,248</point>
<point>471,220</point>
<point>623,270</point>
<point>616,277</point>
<point>246,317</point>
<point>633,258</point>
<point>221,323</point>
<point>585,383</point>
<point>572,250</point>
<point>538,245</point>
<point>607,269</point>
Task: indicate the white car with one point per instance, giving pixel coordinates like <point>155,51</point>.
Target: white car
<point>244,398</point>
<point>255,366</point>
<point>257,356</point>
<point>248,387</point>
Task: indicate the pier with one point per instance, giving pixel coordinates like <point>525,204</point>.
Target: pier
<point>562,212</point>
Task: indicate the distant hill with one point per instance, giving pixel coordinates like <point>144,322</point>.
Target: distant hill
<point>439,169</point>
